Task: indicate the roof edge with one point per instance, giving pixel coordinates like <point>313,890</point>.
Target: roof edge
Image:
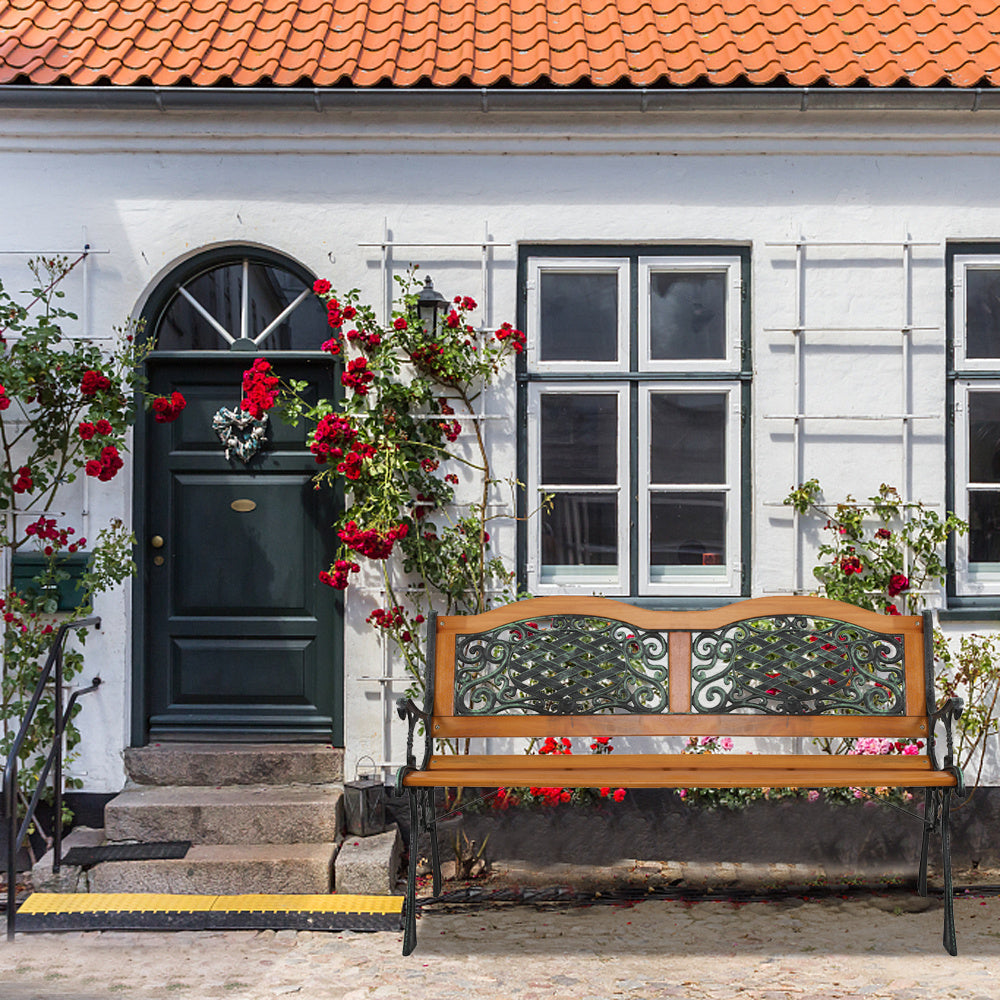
<point>36,97</point>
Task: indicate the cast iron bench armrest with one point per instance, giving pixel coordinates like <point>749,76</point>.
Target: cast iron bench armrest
<point>948,711</point>
<point>408,710</point>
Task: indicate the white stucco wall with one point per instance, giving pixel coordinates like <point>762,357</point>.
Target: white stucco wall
<point>147,190</point>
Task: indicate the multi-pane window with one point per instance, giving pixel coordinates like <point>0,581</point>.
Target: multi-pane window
<point>635,387</point>
<point>975,391</point>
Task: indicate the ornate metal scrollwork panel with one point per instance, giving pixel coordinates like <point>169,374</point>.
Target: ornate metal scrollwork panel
<point>797,665</point>
<point>561,665</point>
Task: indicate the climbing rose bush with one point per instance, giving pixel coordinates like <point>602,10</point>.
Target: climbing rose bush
<point>877,555</point>
<point>397,444</point>
<point>66,404</point>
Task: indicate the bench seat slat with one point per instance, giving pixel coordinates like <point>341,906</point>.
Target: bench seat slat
<point>679,771</point>
<point>628,761</point>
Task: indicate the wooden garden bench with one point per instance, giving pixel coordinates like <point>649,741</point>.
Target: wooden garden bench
<point>592,667</point>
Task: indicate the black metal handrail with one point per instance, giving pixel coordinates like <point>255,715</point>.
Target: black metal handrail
<point>15,836</point>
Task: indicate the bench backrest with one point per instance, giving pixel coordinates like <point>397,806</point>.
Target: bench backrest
<point>772,666</point>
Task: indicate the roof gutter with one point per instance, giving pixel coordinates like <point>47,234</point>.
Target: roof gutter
<point>34,97</point>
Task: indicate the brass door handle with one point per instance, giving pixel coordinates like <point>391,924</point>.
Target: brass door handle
<point>156,541</point>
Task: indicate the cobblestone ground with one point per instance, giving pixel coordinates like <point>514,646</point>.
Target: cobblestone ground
<point>865,946</point>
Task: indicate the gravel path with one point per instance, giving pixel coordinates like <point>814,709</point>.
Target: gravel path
<point>860,947</point>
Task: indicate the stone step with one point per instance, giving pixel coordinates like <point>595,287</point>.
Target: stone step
<point>238,814</point>
<point>234,764</point>
<point>361,866</point>
<point>224,869</point>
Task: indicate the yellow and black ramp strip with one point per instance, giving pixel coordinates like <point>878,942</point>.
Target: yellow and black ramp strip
<point>123,911</point>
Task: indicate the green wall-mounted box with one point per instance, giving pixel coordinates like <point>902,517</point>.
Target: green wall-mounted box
<point>26,566</point>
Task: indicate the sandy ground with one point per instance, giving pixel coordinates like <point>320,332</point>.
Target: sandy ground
<point>864,946</point>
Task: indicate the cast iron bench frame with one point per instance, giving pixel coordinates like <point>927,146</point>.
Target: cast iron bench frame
<point>764,667</point>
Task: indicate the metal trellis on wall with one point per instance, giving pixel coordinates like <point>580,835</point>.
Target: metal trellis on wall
<point>800,329</point>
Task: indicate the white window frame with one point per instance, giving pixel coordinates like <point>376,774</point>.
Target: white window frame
<point>963,263</point>
<point>603,265</point>
<point>613,581</point>
<point>730,266</point>
<point>969,581</point>
<point>728,582</point>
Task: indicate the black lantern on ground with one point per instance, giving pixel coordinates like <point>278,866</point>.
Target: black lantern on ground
<point>430,304</point>
<point>364,802</point>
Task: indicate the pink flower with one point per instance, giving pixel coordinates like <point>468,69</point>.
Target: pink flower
<point>813,795</point>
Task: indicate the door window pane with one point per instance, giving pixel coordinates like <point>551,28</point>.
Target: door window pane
<point>984,526</point>
<point>984,437</point>
<point>687,315</point>
<point>687,530</point>
<point>219,291</point>
<point>579,530</point>
<point>579,316</point>
<point>982,312</point>
<point>579,438</point>
<point>688,437</point>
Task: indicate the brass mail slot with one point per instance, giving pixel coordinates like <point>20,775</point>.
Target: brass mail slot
<point>243,506</point>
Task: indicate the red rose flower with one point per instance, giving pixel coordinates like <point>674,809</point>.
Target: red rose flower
<point>94,382</point>
<point>104,427</point>
<point>105,466</point>
<point>321,286</point>
<point>167,410</point>
<point>23,483</point>
<point>86,430</point>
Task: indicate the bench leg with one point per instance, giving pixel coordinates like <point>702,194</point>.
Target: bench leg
<point>937,819</point>
<point>430,825</point>
<point>410,901</point>
<point>930,822</point>
<point>950,941</point>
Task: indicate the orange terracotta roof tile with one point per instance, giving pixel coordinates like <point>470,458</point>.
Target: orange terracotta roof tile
<point>445,43</point>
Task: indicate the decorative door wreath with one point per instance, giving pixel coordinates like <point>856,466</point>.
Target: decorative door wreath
<point>239,432</point>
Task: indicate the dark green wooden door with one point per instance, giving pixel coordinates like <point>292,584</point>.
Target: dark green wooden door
<point>242,641</point>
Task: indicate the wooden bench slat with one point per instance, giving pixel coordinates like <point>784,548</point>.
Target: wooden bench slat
<point>624,761</point>
<point>898,726</point>
<point>501,773</point>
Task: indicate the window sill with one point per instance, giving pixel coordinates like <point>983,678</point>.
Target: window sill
<point>971,609</point>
